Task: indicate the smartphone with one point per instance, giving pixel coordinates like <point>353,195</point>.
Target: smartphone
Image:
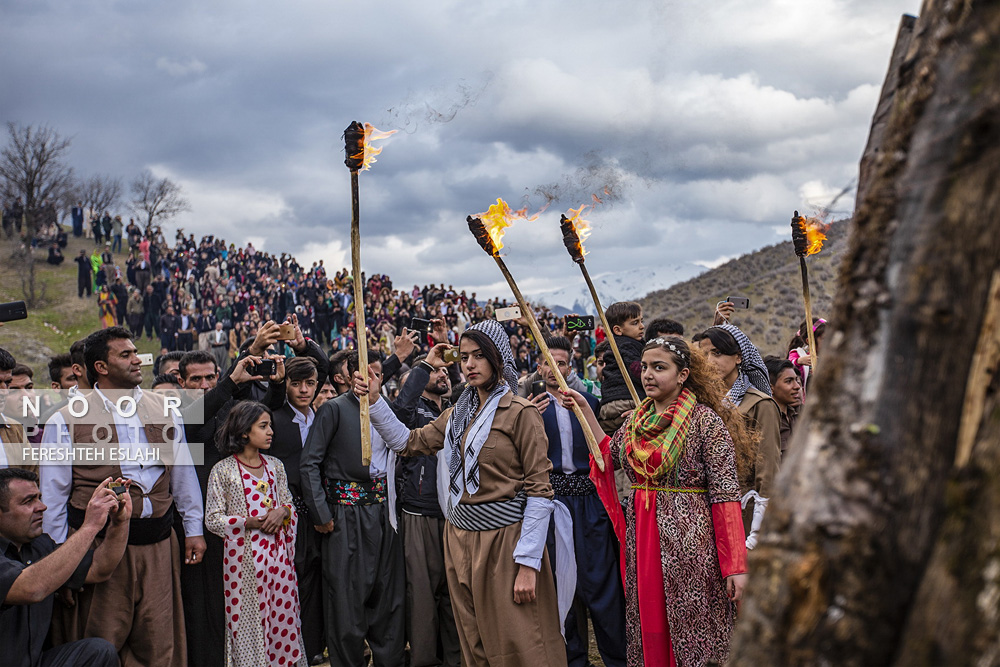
<point>452,355</point>
<point>421,325</point>
<point>15,310</point>
<point>286,332</point>
<point>504,314</point>
<point>739,301</point>
<point>537,388</point>
<point>266,368</point>
<point>118,489</point>
<point>580,323</point>
<point>146,359</point>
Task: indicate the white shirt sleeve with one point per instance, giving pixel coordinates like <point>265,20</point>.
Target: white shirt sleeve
<point>184,486</point>
<point>56,480</point>
<point>534,530</point>
<point>394,433</point>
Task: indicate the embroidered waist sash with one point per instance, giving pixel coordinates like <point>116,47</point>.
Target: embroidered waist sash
<point>489,516</point>
<point>341,492</point>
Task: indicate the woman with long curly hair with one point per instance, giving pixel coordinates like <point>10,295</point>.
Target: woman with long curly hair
<point>680,530</point>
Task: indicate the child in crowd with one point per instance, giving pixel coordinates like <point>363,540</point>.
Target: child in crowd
<point>625,320</point>
<point>799,352</point>
<point>250,507</point>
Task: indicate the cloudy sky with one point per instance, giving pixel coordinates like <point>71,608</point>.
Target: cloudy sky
<point>707,123</point>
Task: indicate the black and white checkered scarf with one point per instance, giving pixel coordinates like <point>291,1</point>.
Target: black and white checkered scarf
<point>462,418</point>
<point>753,372</point>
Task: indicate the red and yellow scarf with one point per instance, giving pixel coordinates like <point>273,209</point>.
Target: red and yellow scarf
<point>649,432</point>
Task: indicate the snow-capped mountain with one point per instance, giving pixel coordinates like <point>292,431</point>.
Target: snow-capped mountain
<point>621,286</point>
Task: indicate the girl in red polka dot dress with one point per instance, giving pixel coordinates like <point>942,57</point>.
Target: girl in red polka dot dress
<point>250,507</point>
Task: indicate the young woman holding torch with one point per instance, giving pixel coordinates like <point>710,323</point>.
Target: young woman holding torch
<point>494,489</point>
<point>680,529</point>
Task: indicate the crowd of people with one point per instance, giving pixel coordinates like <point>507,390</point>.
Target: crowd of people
<point>471,524</point>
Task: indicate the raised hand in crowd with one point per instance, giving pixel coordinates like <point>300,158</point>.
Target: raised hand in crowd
<point>279,364</point>
<point>436,356</point>
<point>723,311</point>
<point>371,387</point>
<point>404,344</point>
<point>298,344</point>
<point>240,373</point>
<point>267,335</point>
<point>439,331</point>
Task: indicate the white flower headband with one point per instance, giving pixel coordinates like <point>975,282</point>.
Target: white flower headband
<point>673,347</point>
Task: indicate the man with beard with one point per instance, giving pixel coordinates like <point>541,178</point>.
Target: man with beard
<point>431,629</point>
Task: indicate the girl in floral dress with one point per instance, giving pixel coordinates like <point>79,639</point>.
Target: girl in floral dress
<point>680,529</point>
<point>250,507</point>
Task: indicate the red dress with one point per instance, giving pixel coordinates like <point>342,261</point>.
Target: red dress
<point>681,535</point>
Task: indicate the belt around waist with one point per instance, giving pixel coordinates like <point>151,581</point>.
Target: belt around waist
<point>343,492</point>
<point>571,485</point>
<point>140,531</point>
<point>489,516</point>
<point>667,489</point>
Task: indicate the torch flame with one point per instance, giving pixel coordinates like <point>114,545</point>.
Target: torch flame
<point>498,218</point>
<point>370,151</point>
<point>576,230</point>
<point>808,235</point>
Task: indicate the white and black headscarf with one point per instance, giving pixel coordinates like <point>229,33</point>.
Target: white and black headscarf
<point>462,417</point>
<point>753,372</point>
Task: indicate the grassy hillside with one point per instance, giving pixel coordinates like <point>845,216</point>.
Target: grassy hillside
<point>770,277</point>
<point>60,319</point>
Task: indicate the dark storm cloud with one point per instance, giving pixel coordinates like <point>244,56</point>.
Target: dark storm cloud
<point>706,123</point>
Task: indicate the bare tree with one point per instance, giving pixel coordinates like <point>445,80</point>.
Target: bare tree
<point>882,542</point>
<point>33,169</point>
<point>156,198</point>
<point>101,193</point>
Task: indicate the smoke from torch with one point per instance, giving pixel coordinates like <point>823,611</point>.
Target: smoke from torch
<point>575,231</point>
<point>489,234</point>
<point>359,156</point>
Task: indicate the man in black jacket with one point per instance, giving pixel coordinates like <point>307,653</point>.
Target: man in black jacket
<point>292,423</point>
<point>84,274</point>
<point>431,627</point>
<point>201,585</point>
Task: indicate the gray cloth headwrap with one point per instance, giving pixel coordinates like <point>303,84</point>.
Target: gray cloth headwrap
<point>467,406</point>
<point>753,372</point>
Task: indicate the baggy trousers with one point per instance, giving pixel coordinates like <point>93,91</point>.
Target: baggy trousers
<point>363,587</point>
<point>598,583</point>
<point>139,608</point>
<point>431,627</point>
<point>309,572</point>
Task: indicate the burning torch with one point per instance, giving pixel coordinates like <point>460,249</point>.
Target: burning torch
<point>575,231</point>
<point>360,156</point>
<point>488,228</point>
<point>807,239</point>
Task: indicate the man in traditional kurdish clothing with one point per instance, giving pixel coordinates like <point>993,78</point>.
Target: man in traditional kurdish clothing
<point>354,506</point>
<point>12,438</point>
<point>598,583</point>
<point>139,608</point>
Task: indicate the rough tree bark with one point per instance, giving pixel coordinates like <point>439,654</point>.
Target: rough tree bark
<point>878,548</point>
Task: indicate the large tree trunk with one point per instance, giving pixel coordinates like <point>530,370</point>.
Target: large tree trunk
<point>878,546</point>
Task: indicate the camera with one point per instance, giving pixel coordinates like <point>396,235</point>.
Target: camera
<point>452,355</point>
<point>15,310</point>
<point>266,368</point>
